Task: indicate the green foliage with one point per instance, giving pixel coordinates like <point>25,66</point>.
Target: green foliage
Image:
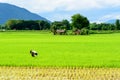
<point>66,24</point>
<point>103,31</point>
<point>117,23</point>
<point>61,25</point>
<point>84,31</point>
<point>79,21</point>
<point>27,25</point>
<point>11,23</point>
<point>43,25</point>
<point>93,26</point>
<point>102,26</point>
<point>56,25</point>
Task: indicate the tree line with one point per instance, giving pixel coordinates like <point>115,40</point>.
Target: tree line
<point>102,26</point>
<point>78,22</point>
<point>27,25</point>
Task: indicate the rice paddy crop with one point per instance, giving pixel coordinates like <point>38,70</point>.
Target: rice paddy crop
<point>99,50</point>
<point>66,57</point>
<point>55,73</point>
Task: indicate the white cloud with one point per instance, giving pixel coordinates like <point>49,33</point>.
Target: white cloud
<point>109,17</point>
<point>110,3</point>
<point>81,4</point>
<point>47,6</point>
<point>59,17</point>
<point>51,5</point>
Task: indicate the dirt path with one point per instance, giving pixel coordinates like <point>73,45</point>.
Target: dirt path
<point>36,73</point>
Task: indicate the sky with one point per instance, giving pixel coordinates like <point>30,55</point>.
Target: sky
<point>57,10</point>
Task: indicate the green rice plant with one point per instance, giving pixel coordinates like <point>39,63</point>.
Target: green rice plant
<point>98,50</point>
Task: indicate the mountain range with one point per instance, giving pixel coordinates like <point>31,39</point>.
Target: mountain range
<point>8,11</point>
<point>112,21</point>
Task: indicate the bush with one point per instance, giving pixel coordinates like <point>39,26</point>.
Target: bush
<point>84,31</point>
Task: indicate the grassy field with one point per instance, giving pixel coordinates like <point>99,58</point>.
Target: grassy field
<point>98,50</point>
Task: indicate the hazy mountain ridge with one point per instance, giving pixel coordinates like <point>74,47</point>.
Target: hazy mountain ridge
<point>8,11</point>
<point>112,21</point>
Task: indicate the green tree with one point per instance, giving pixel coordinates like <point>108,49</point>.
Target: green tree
<point>66,24</point>
<point>84,31</point>
<point>79,21</point>
<point>27,24</point>
<point>117,23</point>
<point>10,24</point>
<point>93,26</point>
<point>58,25</point>
<point>43,25</point>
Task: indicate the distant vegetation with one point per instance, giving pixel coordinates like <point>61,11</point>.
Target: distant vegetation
<point>22,19</point>
<point>27,25</point>
<point>78,25</point>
